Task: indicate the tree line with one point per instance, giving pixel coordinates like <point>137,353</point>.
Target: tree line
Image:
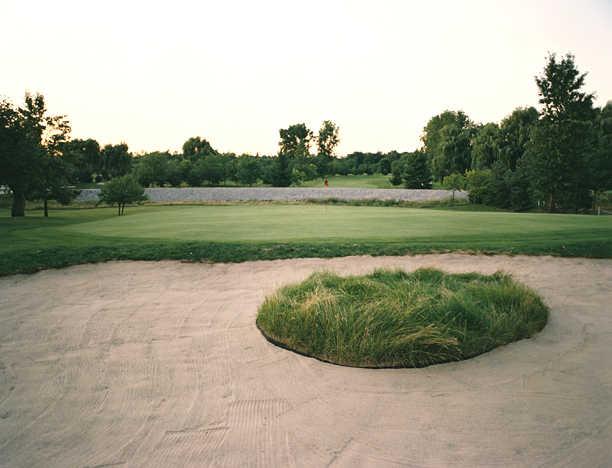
<point>559,158</point>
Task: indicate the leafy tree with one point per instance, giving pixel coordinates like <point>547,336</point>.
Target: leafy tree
<point>85,156</point>
<point>17,155</point>
<point>281,172</point>
<point>294,149</point>
<point>121,191</point>
<point>519,187</point>
<point>247,170</point>
<point>196,146</point>
<point>53,183</point>
<point>213,169</point>
<point>229,162</point>
<point>328,138</point>
<point>175,171</point>
<point>564,141</point>
<point>327,141</point>
<point>498,193</point>
<point>152,168</point>
<point>454,182</point>
<point>485,146</point>
<point>514,134</point>
<point>116,160</point>
<point>197,173</point>
<point>454,153</point>
<point>302,171</point>
<point>601,160</point>
<point>385,163</point>
<point>557,159</point>
<point>27,136</point>
<point>478,184</point>
<point>267,169</point>
<point>415,171</point>
<point>396,172</point>
<point>560,91</point>
<point>446,140</point>
<point>295,140</point>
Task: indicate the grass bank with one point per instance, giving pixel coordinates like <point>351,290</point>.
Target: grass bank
<point>396,319</point>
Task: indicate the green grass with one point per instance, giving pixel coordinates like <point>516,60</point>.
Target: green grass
<point>358,181</point>
<point>232,233</point>
<point>396,319</point>
<point>353,181</point>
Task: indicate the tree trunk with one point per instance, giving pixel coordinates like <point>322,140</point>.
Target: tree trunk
<point>19,201</point>
<point>551,203</point>
<point>119,209</point>
<point>46,208</point>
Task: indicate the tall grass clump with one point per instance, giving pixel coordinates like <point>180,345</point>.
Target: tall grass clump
<point>391,318</point>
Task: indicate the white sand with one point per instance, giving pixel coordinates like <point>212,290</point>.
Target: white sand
<point>160,364</point>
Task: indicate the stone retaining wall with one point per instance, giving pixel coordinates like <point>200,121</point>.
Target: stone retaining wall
<point>203,194</point>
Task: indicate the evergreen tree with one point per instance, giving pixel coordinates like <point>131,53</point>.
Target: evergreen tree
<point>281,173</point>
<point>415,172</point>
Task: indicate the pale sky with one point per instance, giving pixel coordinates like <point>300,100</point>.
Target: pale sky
<point>154,73</point>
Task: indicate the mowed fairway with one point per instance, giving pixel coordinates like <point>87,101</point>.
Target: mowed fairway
<point>250,231</point>
<point>353,181</point>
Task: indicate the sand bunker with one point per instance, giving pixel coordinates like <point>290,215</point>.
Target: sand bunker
<point>160,364</point>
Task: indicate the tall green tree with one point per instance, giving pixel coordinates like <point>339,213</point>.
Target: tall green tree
<point>446,140</point>
<point>28,135</point>
<point>328,138</point>
<point>514,134</point>
<point>197,146</point>
<point>54,182</point>
<point>454,154</point>
<point>415,172</point>
<point>560,90</point>
<point>281,171</point>
<point>247,170</point>
<point>601,160</point>
<point>485,146</point>
<point>562,144</point>
<point>152,168</point>
<point>294,150</point>
<point>116,160</point>
<point>327,141</point>
<point>295,140</point>
<point>213,169</point>
<point>396,172</point>
<point>558,161</point>
<point>85,156</point>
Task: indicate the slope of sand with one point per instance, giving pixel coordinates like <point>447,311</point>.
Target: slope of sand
<point>160,364</point>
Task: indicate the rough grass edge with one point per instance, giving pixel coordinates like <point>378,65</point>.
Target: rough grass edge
<point>31,261</point>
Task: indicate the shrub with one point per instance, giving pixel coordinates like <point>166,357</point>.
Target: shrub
<point>121,191</point>
<point>477,184</point>
<point>454,182</point>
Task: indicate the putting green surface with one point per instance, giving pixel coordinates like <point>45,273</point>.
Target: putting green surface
<point>343,230</point>
<point>320,223</point>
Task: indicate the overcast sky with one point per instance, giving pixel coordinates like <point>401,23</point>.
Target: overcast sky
<point>153,74</point>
